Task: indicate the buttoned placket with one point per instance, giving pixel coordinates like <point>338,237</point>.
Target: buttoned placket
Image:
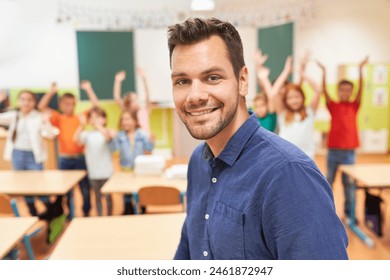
<point>213,182</point>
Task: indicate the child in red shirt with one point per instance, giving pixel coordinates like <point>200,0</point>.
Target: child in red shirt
<point>343,135</point>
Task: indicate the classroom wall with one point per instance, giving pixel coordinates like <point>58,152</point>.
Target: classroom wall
<point>344,33</point>
<point>35,50</point>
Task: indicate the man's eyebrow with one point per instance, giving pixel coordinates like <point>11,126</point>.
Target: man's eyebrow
<point>178,74</point>
<point>208,71</point>
<point>213,69</point>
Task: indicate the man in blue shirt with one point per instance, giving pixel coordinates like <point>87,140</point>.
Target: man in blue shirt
<point>251,194</point>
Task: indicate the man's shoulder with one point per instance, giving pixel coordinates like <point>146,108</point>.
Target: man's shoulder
<point>272,150</point>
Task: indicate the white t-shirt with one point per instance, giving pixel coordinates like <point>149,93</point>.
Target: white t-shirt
<point>298,132</point>
<point>22,141</point>
<point>97,155</point>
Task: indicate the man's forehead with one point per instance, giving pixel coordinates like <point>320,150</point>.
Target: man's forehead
<point>203,55</point>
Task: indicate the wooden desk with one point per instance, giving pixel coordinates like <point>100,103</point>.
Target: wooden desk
<point>12,231</point>
<point>134,237</point>
<point>368,176</point>
<point>49,164</point>
<point>46,182</point>
<point>128,183</point>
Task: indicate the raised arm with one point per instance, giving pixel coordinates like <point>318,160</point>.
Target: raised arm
<point>324,90</point>
<point>119,78</point>
<point>279,83</point>
<point>302,67</point>
<point>43,104</point>
<point>142,74</point>
<point>47,129</point>
<point>361,80</point>
<point>266,87</point>
<point>263,78</point>
<point>108,133</point>
<point>317,91</point>
<point>87,87</point>
<point>83,124</point>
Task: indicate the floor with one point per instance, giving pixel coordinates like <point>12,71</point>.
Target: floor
<point>356,249</point>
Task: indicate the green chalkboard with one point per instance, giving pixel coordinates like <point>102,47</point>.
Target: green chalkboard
<point>100,56</point>
<point>277,43</point>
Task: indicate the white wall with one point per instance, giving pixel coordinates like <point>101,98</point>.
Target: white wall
<point>34,50</point>
<point>345,32</point>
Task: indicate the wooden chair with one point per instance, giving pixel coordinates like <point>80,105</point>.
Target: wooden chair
<point>159,199</point>
<point>8,207</point>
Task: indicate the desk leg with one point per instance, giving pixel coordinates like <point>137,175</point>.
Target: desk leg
<point>351,221</point>
<point>71,204</point>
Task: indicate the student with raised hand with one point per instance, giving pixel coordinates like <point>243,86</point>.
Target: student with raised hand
<point>98,153</point>
<point>130,101</point>
<point>295,119</point>
<point>25,145</point>
<point>131,141</point>
<point>71,153</point>
<point>262,103</point>
<point>343,135</point>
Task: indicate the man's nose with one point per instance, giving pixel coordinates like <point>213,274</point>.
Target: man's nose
<point>198,92</point>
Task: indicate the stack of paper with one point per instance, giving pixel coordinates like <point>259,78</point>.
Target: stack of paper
<point>149,164</point>
<point>177,171</point>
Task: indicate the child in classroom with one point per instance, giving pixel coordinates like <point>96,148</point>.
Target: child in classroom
<point>343,135</point>
<point>25,145</point>
<point>71,153</point>
<point>4,101</point>
<point>97,153</point>
<point>130,100</point>
<point>262,104</point>
<point>296,121</point>
<point>131,141</point>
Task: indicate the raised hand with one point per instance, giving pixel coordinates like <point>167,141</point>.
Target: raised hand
<point>141,72</point>
<point>288,65</point>
<point>82,119</point>
<point>53,87</point>
<point>86,85</point>
<point>263,73</point>
<point>303,62</point>
<point>120,76</point>
<point>45,116</point>
<point>322,66</point>
<point>260,58</point>
<point>363,62</point>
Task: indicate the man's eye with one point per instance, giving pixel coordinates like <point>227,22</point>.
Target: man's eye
<point>214,78</point>
<point>181,82</point>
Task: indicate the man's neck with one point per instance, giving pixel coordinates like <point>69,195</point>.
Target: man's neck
<point>219,141</point>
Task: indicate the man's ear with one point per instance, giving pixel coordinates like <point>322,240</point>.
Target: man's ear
<point>243,81</point>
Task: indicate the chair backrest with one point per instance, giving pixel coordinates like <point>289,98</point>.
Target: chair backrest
<point>5,206</point>
<point>158,195</point>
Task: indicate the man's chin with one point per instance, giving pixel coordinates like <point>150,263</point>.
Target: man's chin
<point>202,133</point>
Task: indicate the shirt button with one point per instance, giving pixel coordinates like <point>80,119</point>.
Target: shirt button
<point>214,180</point>
<point>205,253</point>
<point>206,216</point>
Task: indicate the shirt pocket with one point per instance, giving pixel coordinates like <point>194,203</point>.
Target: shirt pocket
<point>227,232</point>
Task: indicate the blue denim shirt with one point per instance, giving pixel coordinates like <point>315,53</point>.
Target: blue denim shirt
<point>127,152</point>
<point>261,198</point>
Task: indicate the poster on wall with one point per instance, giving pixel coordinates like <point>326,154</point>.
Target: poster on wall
<point>379,97</point>
<point>380,74</point>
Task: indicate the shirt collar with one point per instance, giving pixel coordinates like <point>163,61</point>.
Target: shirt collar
<point>236,143</point>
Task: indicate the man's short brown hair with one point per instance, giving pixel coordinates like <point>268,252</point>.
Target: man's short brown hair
<point>195,30</point>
